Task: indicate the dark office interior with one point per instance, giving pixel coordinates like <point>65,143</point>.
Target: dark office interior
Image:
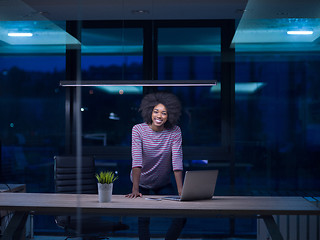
<point>259,125</point>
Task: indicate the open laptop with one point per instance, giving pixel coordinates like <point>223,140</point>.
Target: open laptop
<point>197,185</point>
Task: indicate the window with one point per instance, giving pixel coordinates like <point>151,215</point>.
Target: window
<point>276,121</point>
<point>193,54</point>
<point>109,112</point>
<point>32,118</point>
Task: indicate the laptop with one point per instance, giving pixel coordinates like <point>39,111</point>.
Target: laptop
<point>197,185</point>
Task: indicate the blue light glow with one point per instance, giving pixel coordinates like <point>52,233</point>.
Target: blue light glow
<point>300,32</point>
<point>20,34</point>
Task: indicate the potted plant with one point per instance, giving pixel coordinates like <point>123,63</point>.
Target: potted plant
<point>105,185</point>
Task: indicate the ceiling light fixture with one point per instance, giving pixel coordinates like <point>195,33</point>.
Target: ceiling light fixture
<point>300,32</point>
<point>141,83</point>
<point>26,34</point>
<point>140,11</point>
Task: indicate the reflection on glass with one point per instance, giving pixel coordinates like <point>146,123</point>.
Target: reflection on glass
<point>189,53</point>
<point>200,121</point>
<point>32,118</point>
<point>111,54</point>
<point>277,124</point>
<point>111,112</point>
<point>193,54</point>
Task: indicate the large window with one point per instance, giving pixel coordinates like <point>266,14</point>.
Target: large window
<point>109,112</point>
<point>271,147</point>
<point>32,104</point>
<point>277,126</point>
<point>32,118</point>
<point>193,54</point>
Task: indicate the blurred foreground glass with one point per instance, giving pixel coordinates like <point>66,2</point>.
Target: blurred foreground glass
<point>109,112</point>
<point>193,54</point>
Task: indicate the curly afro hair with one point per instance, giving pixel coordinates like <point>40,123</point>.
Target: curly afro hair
<point>169,100</point>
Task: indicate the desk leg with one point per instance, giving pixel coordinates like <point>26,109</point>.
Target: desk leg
<point>15,228</point>
<point>272,227</point>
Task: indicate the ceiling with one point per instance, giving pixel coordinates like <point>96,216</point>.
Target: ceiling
<point>261,23</point>
<point>18,10</point>
<point>267,23</point>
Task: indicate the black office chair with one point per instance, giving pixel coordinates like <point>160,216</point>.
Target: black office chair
<point>92,226</point>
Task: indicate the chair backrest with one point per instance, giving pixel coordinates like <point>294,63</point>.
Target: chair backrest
<point>65,173</point>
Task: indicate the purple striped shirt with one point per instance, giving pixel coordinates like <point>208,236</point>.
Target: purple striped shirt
<point>156,153</point>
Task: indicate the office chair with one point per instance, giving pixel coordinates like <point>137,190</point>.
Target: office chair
<point>92,226</point>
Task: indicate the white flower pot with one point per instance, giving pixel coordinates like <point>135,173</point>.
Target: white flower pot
<point>105,192</point>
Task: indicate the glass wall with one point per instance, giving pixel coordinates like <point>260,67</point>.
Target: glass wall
<point>109,112</point>
<point>193,54</point>
<point>120,57</point>
<point>277,125</point>
<point>188,53</point>
<point>276,113</point>
<point>32,106</point>
<point>32,119</point>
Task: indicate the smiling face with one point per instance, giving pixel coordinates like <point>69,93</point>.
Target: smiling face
<point>159,117</point>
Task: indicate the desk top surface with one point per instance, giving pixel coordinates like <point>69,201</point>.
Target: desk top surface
<point>51,203</point>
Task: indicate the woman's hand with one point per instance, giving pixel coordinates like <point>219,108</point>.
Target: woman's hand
<point>178,177</point>
<point>134,194</point>
<point>135,183</point>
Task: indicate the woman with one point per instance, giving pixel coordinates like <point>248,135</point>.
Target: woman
<point>156,151</point>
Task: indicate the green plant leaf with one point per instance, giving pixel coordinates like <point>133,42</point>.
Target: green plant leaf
<point>106,177</point>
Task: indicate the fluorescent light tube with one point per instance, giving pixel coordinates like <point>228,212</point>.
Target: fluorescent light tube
<point>20,34</point>
<point>300,32</point>
<point>137,83</point>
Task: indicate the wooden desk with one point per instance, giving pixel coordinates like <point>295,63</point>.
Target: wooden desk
<point>222,206</point>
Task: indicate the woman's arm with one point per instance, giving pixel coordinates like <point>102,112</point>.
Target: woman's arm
<point>177,159</point>
<point>136,162</point>
<point>178,177</point>
<point>135,183</point>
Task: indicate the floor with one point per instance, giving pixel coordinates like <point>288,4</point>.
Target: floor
<point>195,229</point>
<point>128,238</point>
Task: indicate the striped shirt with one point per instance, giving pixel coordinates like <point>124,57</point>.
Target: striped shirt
<point>156,153</point>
